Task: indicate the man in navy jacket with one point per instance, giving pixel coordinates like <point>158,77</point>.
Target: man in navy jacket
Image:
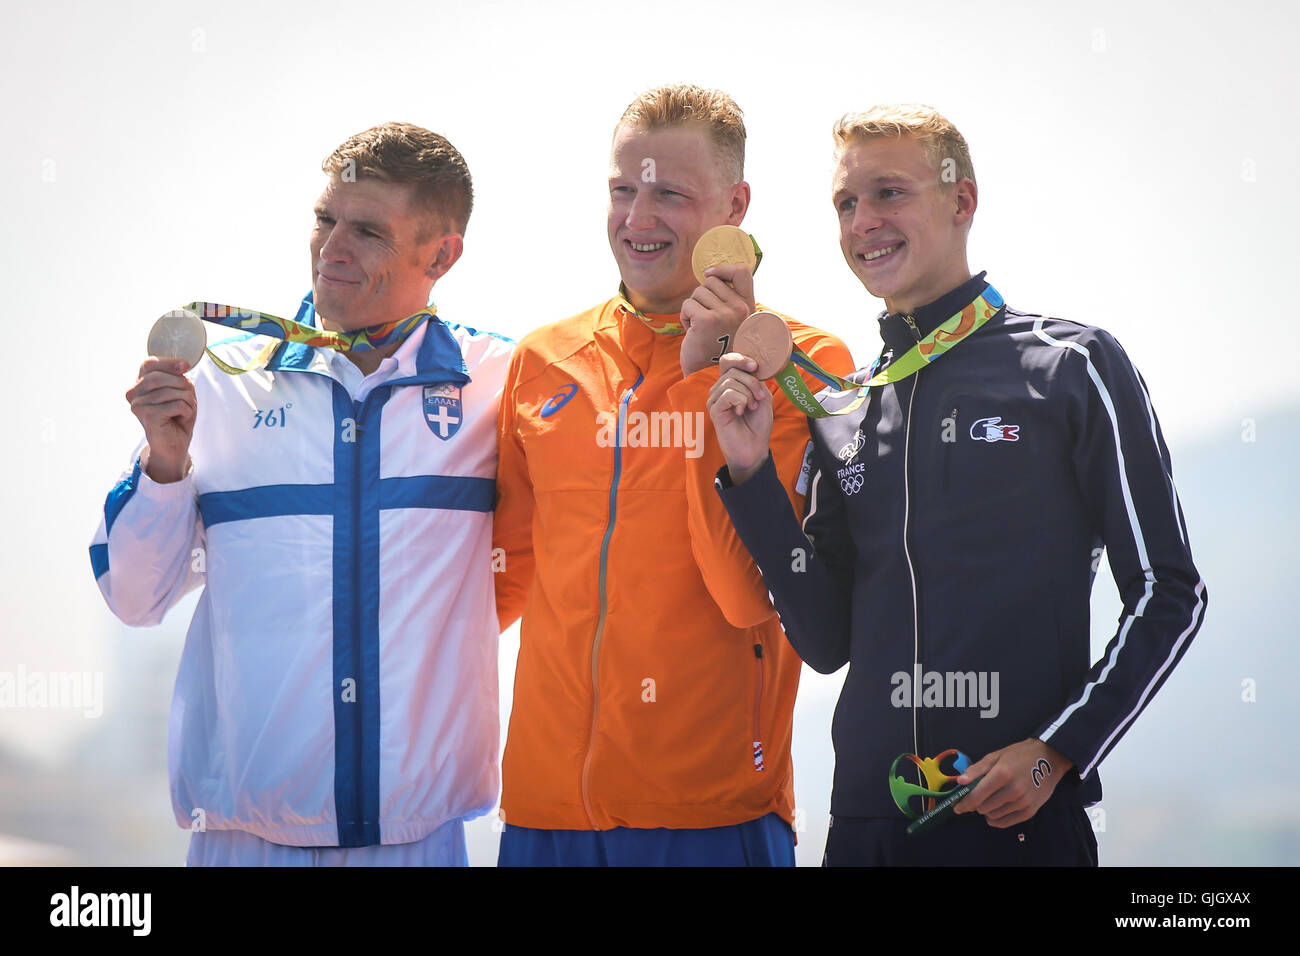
<point>954,524</point>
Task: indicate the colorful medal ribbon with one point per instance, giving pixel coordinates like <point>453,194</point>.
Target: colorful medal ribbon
<point>666,325</point>
<point>940,780</point>
<point>942,793</point>
<point>938,343</point>
<point>260,323</point>
<point>663,324</point>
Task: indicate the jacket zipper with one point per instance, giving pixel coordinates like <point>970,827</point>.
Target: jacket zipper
<point>604,597</point>
<point>948,453</point>
<point>907,551</point>
<point>354,639</point>
<point>758,706</point>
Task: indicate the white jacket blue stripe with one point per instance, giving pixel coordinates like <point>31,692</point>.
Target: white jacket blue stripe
<point>338,685</point>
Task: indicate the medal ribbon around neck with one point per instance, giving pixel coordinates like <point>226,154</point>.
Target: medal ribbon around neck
<point>668,326</point>
<point>661,326</point>
<point>938,343</point>
<point>260,323</point>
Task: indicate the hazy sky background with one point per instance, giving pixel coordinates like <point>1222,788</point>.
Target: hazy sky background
<point>1137,169</point>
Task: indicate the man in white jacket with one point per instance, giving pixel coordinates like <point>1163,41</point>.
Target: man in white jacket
<point>336,702</point>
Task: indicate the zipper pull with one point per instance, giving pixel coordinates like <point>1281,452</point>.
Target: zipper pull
<point>911,324</point>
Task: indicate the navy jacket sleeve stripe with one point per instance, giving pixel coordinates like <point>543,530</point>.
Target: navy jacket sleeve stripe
<point>1125,467</point>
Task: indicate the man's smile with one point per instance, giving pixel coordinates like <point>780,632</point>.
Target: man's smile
<point>880,252</point>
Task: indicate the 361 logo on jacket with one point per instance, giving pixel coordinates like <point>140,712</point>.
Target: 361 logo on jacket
<point>442,411</point>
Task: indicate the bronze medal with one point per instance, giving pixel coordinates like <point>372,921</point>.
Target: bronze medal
<point>766,339</point>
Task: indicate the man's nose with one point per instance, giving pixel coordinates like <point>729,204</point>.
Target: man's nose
<point>640,214</point>
<point>865,218</point>
<point>336,247</point>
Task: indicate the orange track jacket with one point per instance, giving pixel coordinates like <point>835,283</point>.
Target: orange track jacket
<point>654,687</point>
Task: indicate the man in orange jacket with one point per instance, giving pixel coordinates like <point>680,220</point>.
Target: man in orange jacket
<point>654,690</point>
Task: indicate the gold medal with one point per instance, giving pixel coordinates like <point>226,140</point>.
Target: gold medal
<point>766,339</point>
<point>723,246</point>
<point>178,334</point>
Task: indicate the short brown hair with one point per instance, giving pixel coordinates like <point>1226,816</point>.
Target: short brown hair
<point>944,145</point>
<point>403,153</point>
<point>682,103</point>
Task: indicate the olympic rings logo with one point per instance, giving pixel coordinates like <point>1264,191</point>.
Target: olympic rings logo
<point>851,485</point>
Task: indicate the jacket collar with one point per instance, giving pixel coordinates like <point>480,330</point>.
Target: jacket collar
<point>438,359</point>
<point>899,337</point>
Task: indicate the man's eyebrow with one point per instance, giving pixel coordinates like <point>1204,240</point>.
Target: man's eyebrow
<point>378,227</point>
<point>657,183</point>
<point>841,184</point>
<point>669,183</point>
<point>372,225</point>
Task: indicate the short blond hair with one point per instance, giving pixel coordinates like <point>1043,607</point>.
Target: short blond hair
<point>682,103</point>
<point>944,146</point>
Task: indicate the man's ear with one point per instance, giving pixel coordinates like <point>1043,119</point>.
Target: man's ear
<point>965,199</point>
<point>444,255</point>
<point>738,203</point>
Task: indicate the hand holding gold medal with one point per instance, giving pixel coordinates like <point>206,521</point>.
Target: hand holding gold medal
<point>762,335</point>
<point>739,403</point>
<point>723,299</point>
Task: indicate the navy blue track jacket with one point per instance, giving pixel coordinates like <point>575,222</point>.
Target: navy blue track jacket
<point>955,521</point>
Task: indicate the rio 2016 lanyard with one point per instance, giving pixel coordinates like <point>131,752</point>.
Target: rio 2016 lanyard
<point>940,797</point>
<point>260,323</point>
<point>669,325</point>
<point>929,349</point>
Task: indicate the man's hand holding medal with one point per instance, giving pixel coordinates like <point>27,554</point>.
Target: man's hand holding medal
<point>724,328</point>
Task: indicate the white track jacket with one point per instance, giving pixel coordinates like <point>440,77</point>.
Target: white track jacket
<point>338,685</point>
